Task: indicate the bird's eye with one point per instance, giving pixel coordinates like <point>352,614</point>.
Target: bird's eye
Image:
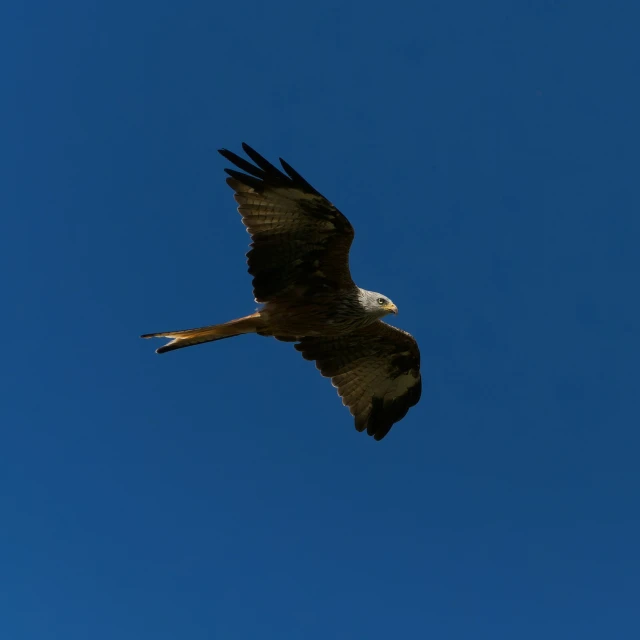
<point>381,301</point>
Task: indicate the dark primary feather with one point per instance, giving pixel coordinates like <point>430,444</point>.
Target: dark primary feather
<point>300,241</point>
<point>376,371</point>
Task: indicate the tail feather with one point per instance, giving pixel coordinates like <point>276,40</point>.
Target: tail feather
<point>190,337</point>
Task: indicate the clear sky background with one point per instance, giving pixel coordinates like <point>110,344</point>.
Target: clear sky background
<point>487,156</point>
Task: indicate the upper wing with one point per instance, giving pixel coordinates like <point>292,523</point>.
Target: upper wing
<point>300,240</point>
<point>376,371</point>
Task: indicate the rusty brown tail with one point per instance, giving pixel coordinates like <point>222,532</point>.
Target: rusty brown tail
<point>189,337</point>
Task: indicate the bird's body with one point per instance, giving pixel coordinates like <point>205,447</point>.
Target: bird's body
<point>331,313</point>
<point>299,260</point>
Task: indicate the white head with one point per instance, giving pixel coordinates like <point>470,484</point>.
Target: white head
<point>376,304</point>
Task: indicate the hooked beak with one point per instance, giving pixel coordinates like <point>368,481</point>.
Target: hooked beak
<point>392,309</point>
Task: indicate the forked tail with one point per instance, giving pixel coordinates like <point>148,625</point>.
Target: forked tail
<point>189,337</point>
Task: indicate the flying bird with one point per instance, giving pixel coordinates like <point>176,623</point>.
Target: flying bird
<point>299,260</point>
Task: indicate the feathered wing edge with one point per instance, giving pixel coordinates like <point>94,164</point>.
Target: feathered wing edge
<point>263,173</point>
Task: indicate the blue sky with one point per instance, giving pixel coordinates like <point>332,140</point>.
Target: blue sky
<point>487,155</point>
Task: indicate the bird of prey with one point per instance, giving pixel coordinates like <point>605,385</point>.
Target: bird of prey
<point>299,260</point>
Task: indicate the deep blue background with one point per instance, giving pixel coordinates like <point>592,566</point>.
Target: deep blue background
<point>487,155</point>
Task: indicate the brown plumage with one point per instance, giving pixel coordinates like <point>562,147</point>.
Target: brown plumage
<point>376,370</point>
<point>299,260</point>
<point>300,240</point>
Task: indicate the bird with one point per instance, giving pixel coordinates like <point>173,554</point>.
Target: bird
<point>299,260</point>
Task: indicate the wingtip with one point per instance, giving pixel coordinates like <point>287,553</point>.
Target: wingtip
<point>244,145</point>
<point>379,435</point>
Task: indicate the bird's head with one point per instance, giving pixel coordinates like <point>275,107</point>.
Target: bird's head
<point>376,304</point>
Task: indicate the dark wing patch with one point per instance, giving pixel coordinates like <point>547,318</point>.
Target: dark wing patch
<point>376,371</point>
<point>300,241</point>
